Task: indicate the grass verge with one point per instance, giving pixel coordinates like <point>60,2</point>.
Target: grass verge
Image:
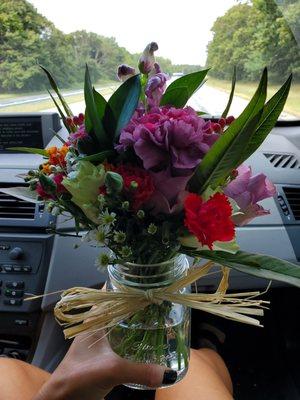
<point>247,89</point>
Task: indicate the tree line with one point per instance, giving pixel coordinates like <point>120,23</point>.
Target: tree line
<point>28,39</point>
<point>254,34</point>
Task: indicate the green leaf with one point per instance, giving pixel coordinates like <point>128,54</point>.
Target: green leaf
<point>227,108</point>
<point>177,97</point>
<point>22,193</point>
<point>180,90</point>
<point>93,114</point>
<point>121,105</point>
<point>225,154</point>
<point>31,150</point>
<point>57,91</point>
<point>87,145</point>
<point>100,102</point>
<point>100,157</point>
<point>271,112</point>
<point>263,266</point>
<point>61,113</point>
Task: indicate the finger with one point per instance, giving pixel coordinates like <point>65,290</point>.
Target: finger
<point>151,375</point>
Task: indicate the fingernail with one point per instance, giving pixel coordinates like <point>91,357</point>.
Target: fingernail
<point>170,376</point>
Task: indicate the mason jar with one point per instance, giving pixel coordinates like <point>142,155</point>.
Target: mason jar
<point>160,333</point>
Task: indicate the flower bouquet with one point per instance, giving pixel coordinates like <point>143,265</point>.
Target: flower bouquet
<point>152,182</point>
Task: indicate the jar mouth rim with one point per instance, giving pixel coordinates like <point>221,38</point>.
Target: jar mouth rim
<point>167,262</point>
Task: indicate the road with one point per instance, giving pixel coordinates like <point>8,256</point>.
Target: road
<point>208,99</point>
<point>33,98</point>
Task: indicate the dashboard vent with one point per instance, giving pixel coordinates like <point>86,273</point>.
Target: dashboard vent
<point>13,208</point>
<point>292,195</point>
<point>283,160</point>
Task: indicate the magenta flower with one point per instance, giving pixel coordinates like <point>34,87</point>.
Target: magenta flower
<point>125,72</point>
<point>247,191</point>
<point>168,137</point>
<point>75,136</point>
<point>156,86</point>
<point>147,59</point>
<point>169,192</point>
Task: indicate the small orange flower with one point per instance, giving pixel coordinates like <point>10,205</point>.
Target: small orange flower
<point>51,150</point>
<point>46,168</point>
<point>57,156</point>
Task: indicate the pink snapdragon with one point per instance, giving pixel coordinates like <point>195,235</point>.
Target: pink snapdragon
<point>156,86</point>
<point>125,72</point>
<point>247,191</point>
<point>147,59</point>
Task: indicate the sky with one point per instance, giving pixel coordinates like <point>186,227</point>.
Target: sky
<point>181,28</point>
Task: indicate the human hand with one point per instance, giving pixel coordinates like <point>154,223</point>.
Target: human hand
<point>90,372</point>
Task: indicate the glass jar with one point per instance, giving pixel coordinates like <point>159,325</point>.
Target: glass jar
<point>160,333</point>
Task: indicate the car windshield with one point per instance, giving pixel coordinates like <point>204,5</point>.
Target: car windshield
<point>219,34</point>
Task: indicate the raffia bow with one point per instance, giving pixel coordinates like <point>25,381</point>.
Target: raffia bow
<point>85,310</point>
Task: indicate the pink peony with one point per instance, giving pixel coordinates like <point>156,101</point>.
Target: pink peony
<point>247,191</point>
<point>168,137</point>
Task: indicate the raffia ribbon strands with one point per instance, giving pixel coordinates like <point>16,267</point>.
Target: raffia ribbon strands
<point>109,308</point>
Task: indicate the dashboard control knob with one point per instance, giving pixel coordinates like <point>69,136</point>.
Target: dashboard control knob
<point>16,253</point>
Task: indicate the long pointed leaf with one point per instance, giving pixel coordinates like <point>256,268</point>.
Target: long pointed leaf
<point>267,267</point>
<point>271,112</point>
<point>100,102</point>
<point>93,114</point>
<point>63,117</point>
<point>226,153</point>
<point>227,108</point>
<point>31,150</point>
<point>121,106</point>
<point>99,157</point>
<point>179,91</point>
<point>57,91</point>
<point>22,193</point>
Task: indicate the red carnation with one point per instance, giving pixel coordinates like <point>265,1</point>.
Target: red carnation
<point>138,184</point>
<point>211,220</point>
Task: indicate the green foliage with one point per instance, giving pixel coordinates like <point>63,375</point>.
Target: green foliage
<point>233,82</point>
<point>267,267</point>
<point>97,131</point>
<point>225,154</point>
<point>31,150</point>
<point>253,35</point>
<point>26,40</point>
<point>180,90</point>
<point>121,105</point>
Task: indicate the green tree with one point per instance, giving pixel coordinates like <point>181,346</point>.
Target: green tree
<point>27,39</point>
<point>255,34</point>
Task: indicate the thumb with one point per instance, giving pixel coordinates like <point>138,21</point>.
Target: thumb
<point>151,375</point>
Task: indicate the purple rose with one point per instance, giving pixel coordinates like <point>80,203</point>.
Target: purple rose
<point>168,137</point>
<point>247,191</point>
